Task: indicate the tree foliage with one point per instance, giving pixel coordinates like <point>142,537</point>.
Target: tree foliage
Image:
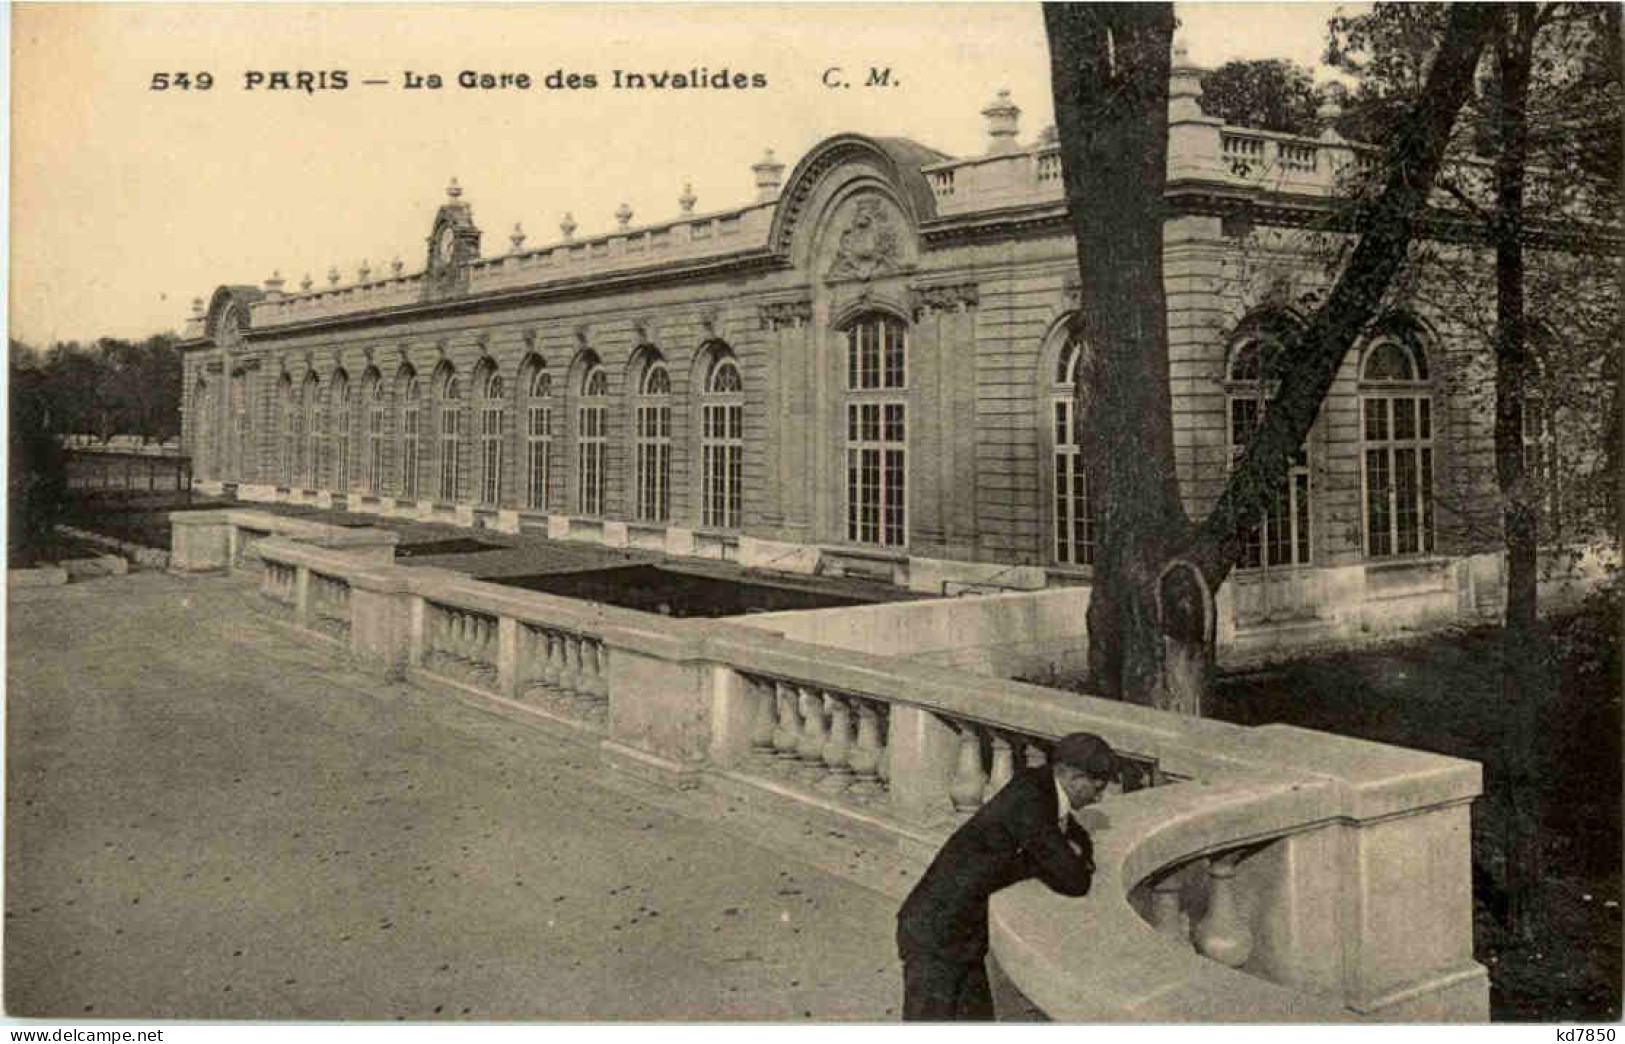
<point>1267,94</point>
<point>112,387</point>
<point>1109,68</point>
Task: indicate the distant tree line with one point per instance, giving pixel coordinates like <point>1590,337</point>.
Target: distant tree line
<point>111,387</point>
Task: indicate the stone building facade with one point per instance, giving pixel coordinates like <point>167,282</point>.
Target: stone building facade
<point>866,370</point>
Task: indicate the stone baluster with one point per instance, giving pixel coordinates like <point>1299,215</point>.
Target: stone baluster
<point>1223,934</point>
<point>601,675</point>
<point>838,745</point>
<point>1166,916</point>
<point>592,668</point>
<point>865,759</point>
<point>883,766</point>
<point>570,673</point>
<point>970,780</point>
<point>814,730</point>
<point>764,722</point>
<point>1003,768</point>
<point>787,729</point>
<point>551,646</point>
<point>488,642</point>
<point>1034,754</point>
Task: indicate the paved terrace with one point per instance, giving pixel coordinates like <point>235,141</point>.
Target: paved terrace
<point>207,820</point>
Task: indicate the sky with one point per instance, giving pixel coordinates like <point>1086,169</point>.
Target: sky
<point>128,202</point>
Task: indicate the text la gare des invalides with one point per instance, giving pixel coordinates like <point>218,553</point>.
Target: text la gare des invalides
<point>696,78</point>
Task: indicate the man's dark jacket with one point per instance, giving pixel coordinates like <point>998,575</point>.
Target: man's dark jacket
<point>1011,838</point>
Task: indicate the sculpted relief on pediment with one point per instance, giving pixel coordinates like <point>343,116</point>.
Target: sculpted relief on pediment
<point>870,242</point>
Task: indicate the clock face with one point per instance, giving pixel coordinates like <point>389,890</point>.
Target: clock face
<point>448,239</point>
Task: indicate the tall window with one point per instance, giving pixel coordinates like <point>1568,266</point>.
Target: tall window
<point>722,446</point>
<point>538,438</point>
<point>492,405</point>
<point>1397,422</point>
<point>242,419</point>
<point>375,407</point>
<point>315,432</point>
<point>654,444</point>
<point>339,468</point>
<point>451,413</point>
<point>591,442</point>
<point>411,437</point>
<point>290,436</point>
<point>876,436</point>
<point>1282,536</point>
<point>1074,514</point>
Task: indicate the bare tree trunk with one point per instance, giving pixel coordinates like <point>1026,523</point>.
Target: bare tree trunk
<point>1522,688</point>
<point>1109,68</point>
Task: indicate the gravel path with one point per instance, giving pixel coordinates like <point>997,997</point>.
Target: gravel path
<point>207,820</point>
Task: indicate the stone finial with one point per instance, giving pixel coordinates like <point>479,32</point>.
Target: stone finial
<point>623,216</point>
<point>197,307</point>
<point>333,276</point>
<point>769,176</point>
<point>454,190</point>
<point>273,285</point>
<point>1003,118</point>
<point>364,271</point>
<point>1184,85</point>
<point>567,226</point>
<point>1330,110</point>
<point>517,237</point>
<point>396,265</point>
<point>305,283</point>
<point>687,200</point>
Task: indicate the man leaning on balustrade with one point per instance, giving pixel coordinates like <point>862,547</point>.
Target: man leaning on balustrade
<point>1027,830</point>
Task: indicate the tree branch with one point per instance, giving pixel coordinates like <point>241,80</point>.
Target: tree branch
<point>1416,156</point>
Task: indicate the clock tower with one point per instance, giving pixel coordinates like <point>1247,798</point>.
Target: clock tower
<point>454,241</point>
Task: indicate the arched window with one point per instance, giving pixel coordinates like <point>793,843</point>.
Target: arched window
<point>654,444</point>
<point>722,445</point>
<point>312,405</point>
<point>377,405</point>
<point>1282,536</point>
<point>1074,510</point>
<point>592,442</point>
<point>242,420</point>
<point>291,415</point>
<point>339,464</point>
<point>1396,410</point>
<point>411,437</point>
<point>492,406</point>
<point>538,437</point>
<point>876,431</point>
<point>451,418</point>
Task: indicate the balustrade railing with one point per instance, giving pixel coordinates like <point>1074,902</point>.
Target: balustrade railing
<point>460,644</point>
<point>565,671</point>
<point>279,586</point>
<point>1226,892</point>
<point>833,741</point>
<point>330,605</point>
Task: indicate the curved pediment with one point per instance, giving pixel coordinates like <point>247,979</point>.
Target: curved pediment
<point>230,302</point>
<point>892,165</point>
